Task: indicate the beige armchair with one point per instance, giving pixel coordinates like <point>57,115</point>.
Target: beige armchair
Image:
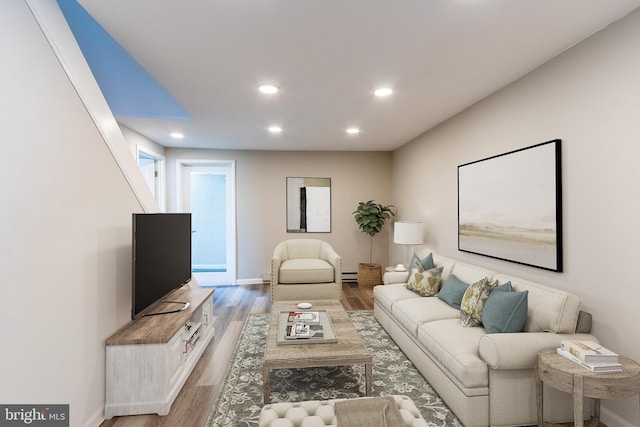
<point>305,269</point>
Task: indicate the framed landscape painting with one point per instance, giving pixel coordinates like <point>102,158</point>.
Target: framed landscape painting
<point>510,206</point>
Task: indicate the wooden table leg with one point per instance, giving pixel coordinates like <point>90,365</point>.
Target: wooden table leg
<point>267,386</point>
<point>577,401</point>
<point>368,374</point>
<point>539,397</point>
<point>596,413</point>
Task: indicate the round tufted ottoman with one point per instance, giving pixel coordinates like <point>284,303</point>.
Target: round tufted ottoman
<point>320,413</point>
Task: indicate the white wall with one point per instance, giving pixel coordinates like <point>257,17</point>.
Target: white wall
<point>136,140</point>
<point>589,97</point>
<point>65,222</point>
<point>261,200</point>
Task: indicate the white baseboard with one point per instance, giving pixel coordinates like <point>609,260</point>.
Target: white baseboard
<point>611,419</point>
<point>249,282</point>
<point>95,419</point>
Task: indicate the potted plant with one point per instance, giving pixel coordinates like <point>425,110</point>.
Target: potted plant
<point>371,217</point>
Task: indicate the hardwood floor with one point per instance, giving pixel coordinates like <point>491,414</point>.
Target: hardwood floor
<point>231,306</point>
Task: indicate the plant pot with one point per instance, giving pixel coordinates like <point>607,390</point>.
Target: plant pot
<point>369,274</point>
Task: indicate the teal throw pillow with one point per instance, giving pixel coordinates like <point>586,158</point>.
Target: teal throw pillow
<point>452,291</point>
<point>505,287</point>
<point>505,311</point>
<point>473,302</point>
<point>425,283</point>
<point>426,263</point>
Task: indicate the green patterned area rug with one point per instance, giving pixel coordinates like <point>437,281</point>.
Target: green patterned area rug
<point>240,398</point>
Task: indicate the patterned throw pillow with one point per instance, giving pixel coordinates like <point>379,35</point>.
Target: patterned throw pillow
<point>425,283</point>
<point>473,302</point>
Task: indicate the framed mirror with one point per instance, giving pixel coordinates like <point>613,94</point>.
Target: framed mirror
<point>308,205</point>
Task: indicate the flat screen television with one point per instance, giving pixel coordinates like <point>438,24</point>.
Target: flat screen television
<point>161,257</point>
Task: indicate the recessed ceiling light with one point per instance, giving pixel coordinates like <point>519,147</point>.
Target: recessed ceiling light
<point>353,131</point>
<point>177,135</point>
<point>269,89</point>
<point>275,129</point>
<point>383,91</point>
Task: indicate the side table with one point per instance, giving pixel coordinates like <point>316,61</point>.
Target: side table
<point>560,373</point>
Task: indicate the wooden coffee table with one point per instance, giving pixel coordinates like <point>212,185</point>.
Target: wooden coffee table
<point>349,350</point>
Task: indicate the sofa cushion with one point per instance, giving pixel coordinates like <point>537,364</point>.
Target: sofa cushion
<point>306,270</point>
<point>413,312</point>
<point>549,309</point>
<point>470,273</point>
<point>473,302</point>
<point>456,349</point>
<point>388,295</point>
<point>447,265</point>
<point>452,291</point>
<point>505,311</point>
<point>425,283</point>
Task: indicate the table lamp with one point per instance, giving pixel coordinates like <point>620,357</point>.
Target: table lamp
<point>407,233</point>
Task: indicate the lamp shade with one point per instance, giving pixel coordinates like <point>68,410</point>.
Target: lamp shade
<point>407,233</point>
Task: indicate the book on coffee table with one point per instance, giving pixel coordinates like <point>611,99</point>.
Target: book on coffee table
<point>304,332</point>
<point>316,331</point>
<point>298,330</point>
<point>304,316</point>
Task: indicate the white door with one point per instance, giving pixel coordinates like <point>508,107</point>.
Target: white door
<point>208,190</point>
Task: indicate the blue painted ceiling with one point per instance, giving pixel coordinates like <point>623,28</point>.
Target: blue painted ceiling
<point>128,88</point>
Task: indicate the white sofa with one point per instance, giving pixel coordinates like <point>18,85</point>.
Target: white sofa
<point>487,379</point>
<point>305,269</point>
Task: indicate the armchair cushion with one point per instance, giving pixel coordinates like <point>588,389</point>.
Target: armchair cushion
<point>306,270</point>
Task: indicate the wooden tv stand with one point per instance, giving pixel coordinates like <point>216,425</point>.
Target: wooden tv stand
<point>149,359</point>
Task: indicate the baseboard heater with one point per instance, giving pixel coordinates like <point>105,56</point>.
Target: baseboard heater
<point>349,276</point>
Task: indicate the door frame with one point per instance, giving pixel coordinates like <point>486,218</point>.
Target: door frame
<point>161,170</point>
<point>229,167</point>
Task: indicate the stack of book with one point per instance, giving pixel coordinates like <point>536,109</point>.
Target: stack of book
<point>590,355</point>
<point>304,316</point>
<point>303,325</point>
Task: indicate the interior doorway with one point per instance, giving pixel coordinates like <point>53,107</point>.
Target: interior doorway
<point>152,166</point>
<point>207,190</point>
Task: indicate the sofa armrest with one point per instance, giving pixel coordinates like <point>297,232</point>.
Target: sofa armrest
<point>520,350</point>
<point>391,277</point>
<point>584,322</point>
